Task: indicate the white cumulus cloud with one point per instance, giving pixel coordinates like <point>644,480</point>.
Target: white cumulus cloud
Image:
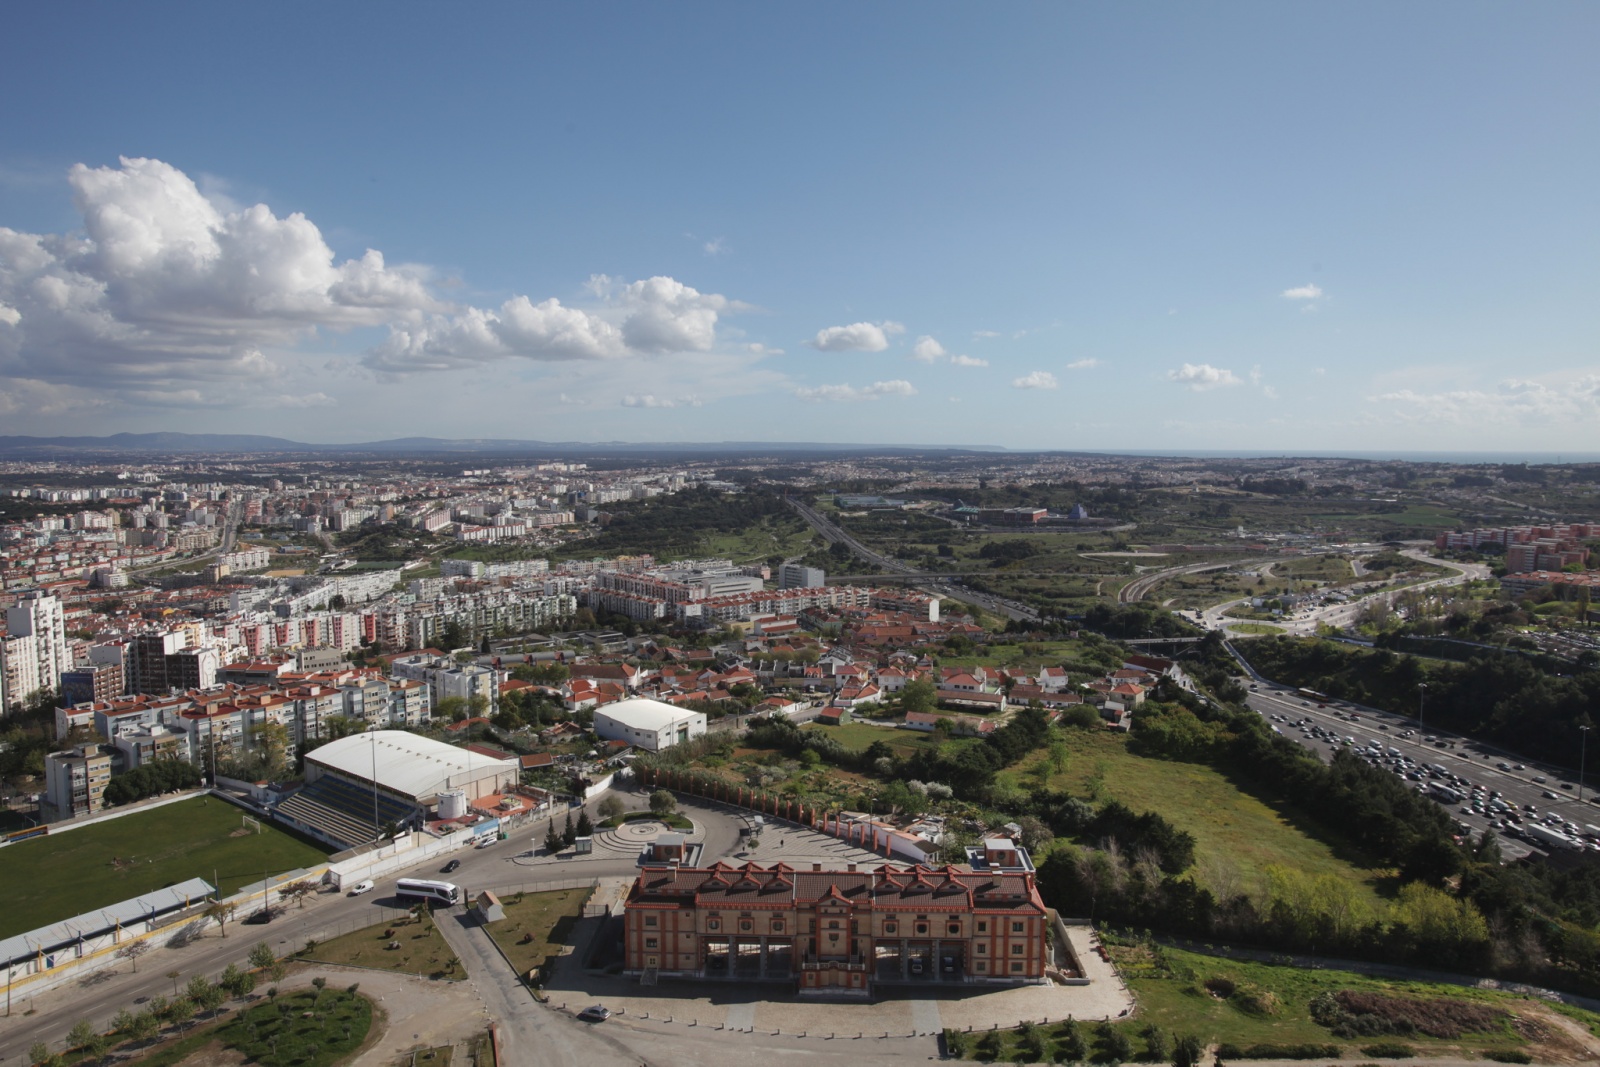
<point>1202,376</point>
<point>650,400</point>
<point>896,387</point>
<point>857,337</point>
<point>929,350</point>
<point>1039,379</point>
<point>168,295</point>
<point>1083,364</point>
<point>1511,402</point>
<point>1303,292</point>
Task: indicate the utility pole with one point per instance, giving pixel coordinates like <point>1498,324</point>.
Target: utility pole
<point>377,829</point>
<point>1583,753</point>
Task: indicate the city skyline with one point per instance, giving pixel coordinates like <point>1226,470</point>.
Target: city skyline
<point>1040,228</point>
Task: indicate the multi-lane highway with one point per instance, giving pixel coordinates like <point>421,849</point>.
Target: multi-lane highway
<point>1521,785</point>
<point>834,535</point>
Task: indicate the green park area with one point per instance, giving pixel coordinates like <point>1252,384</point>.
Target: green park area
<point>537,927</point>
<point>47,879</point>
<point>310,1028</point>
<point>1238,834</point>
<point>410,943</point>
<point>859,736</point>
<point>1254,1010</point>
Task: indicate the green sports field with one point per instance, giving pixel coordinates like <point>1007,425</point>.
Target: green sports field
<point>52,878</point>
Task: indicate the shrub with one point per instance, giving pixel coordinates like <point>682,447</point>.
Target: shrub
<point>1349,1013</point>
<point>1230,1051</point>
<point>1509,1055</point>
<point>955,1043</point>
<point>1254,1001</point>
<point>1389,1050</point>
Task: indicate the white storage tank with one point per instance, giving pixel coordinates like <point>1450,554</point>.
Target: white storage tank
<point>453,804</point>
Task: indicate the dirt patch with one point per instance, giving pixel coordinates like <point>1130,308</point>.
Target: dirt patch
<point>1554,1038</point>
<point>214,1055</point>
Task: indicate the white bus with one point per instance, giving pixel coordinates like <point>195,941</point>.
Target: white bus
<point>438,893</point>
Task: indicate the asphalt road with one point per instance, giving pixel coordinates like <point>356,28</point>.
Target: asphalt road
<point>1476,762</point>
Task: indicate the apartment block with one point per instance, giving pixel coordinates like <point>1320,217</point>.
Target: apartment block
<point>75,779</point>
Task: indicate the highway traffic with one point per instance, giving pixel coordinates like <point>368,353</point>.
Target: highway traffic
<point>1499,791</point>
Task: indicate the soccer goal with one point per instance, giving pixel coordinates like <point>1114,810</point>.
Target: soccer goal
<point>247,821</point>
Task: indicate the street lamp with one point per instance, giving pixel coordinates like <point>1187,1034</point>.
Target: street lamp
<point>1422,701</point>
<point>1583,752</point>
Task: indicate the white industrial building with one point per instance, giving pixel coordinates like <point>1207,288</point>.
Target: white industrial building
<point>411,767</point>
<point>647,724</point>
<point>359,787</point>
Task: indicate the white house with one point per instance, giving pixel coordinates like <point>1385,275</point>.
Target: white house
<point>647,724</point>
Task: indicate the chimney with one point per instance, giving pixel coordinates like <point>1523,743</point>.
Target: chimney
<point>816,866</point>
<point>850,867</point>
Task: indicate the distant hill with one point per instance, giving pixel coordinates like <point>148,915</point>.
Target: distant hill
<point>220,443</point>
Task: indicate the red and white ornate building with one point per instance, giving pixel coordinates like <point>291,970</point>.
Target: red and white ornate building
<point>840,930</point>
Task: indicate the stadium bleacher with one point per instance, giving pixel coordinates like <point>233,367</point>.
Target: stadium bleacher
<point>342,811</point>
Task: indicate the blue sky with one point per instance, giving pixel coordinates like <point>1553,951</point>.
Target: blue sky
<point>1158,226</point>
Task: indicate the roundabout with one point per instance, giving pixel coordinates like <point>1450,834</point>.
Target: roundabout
<point>637,833</point>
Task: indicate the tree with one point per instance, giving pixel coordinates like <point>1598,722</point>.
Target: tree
<point>180,1011</point>
<point>261,956</point>
<point>132,951</point>
<point>297,891</point>
<point>663,803</point>
<point>1073,1048</point>
<point>40,1055</point>
<point>552,839</point>
<point>123,1023</point>
<point>145,1026</point>
<point>568,835</point>
<point>320,983</point>
<point>611,806</point>
<point>920,695</point>
<point>1157,1045</point>
<point>1112,1045</point>
<point>1186,1053</point>
<point>1036,836</point>
<point>206,995</point>
<point>85,1037</point>
<point>585,827</point>
<point>220,912</point>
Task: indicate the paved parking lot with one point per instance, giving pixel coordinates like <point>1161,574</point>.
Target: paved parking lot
<point>800,847</point>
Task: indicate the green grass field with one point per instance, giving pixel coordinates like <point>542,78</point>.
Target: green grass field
<point>537,926</point>
<point>423,949</point>
<point>857,736</point>
<point>52,878</point>
<point>1259,629</point>
<point>1237,835</point>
